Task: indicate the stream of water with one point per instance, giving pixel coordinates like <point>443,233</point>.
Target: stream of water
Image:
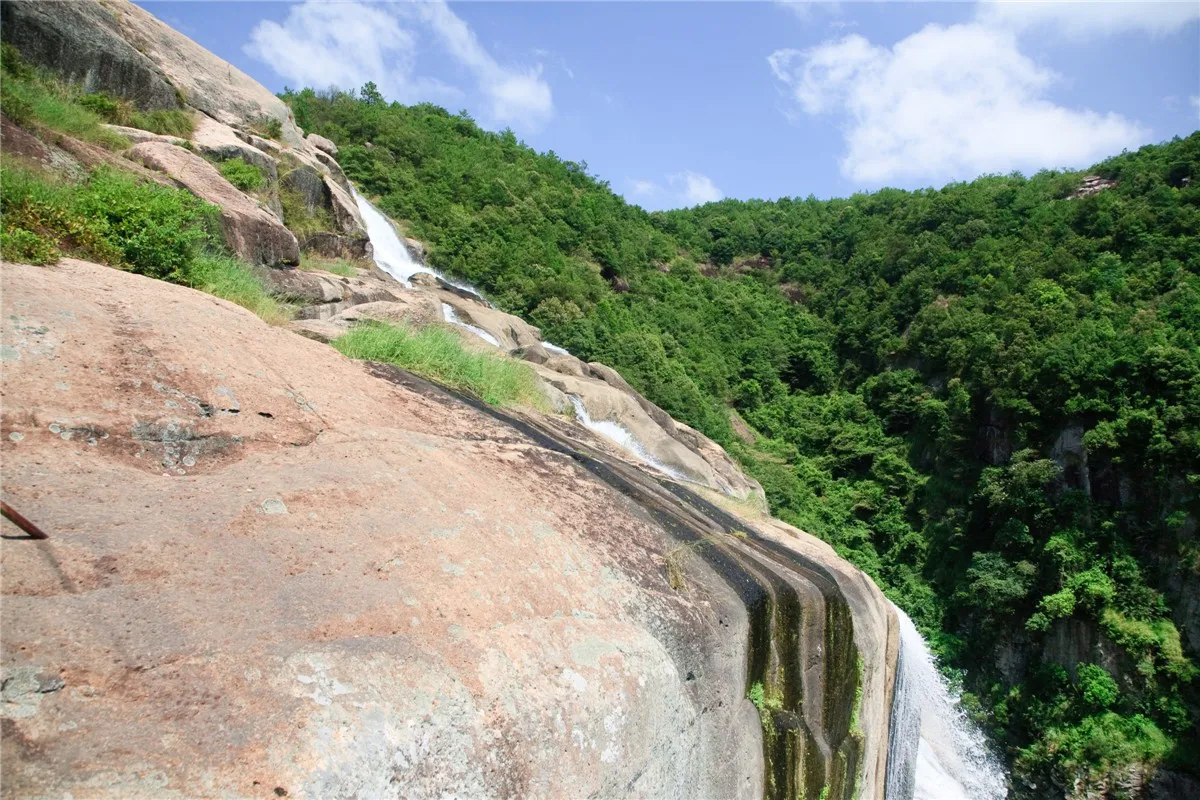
<point>934,751</point>
<point>391,254</point>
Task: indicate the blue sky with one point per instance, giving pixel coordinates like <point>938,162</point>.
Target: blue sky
<point>683,102</point>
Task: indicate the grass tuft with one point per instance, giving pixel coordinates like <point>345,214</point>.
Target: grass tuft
<point>438,354</point>
<point>336,266</point>
<point>235,281</point>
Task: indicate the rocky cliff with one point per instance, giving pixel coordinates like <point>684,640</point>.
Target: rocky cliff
<point>273,570</point>
<point>268,565</point>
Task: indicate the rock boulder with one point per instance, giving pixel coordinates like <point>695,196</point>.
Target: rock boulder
<point>250,231</point>
<point>322,144</point>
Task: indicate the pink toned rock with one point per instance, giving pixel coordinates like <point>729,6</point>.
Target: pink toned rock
<point>255,541</point>
<point>250,231</point>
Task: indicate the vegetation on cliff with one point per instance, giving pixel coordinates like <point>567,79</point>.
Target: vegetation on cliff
<point>987,396</point>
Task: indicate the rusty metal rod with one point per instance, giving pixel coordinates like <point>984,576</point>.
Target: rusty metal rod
<point>33,530</point>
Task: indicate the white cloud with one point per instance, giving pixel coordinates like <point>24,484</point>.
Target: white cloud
<point>945,103</point>
<point>516,96</point>
<point>695,188</point>
<point>644,188</point>
<point>1195,99</point>
<point>680,190</point>
<point>1095,18</point>
<point>342,44</point>
<point>323,44</point>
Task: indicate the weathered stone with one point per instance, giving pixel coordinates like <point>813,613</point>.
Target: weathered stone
<point>334,169</point>
<point>335,245</point>
<point>16,141</point>
<point>512,332</point>
<point>322,144</point>
<point>583,591</point>
<point>250,231</point>
<point>415,249</point>
<point>267,146</point>
<point>344,209</point>
<point>219,141</point>
<point>309,184</point>
<point>137,135</point>
<point>84,42</point>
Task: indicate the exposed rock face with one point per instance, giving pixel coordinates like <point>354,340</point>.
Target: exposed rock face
<point>84,42</point>
<point>322,144</point>
<point>309,184</point>
<point>1091,184</point>
<point>608,397</point>
<point>222,142</point>
<point>205,81</point>
<point>137,135</point>
<point>350,582</point>
<point>250,231</point>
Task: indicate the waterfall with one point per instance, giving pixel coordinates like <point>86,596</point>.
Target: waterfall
<point>624,439</point>
<point>391,255</point>
<point>451,316</point>
<point>934,751</point>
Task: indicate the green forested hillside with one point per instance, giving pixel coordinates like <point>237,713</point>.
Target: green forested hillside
<point>987,396</point>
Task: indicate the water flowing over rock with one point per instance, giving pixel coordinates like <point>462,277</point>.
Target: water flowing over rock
<point>935,752</point>
<point>390,254</point>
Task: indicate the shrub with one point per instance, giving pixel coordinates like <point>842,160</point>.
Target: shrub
<point>243,175</point>
<point>111,218</point>
<point>1097,687</point>
<point>40,220</point>
<point>438,354</point>
<point>159,230</point>
<point>25,246</point>
<point>268,127</point>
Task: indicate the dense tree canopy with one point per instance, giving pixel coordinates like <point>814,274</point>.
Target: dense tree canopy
<point>987,395</point>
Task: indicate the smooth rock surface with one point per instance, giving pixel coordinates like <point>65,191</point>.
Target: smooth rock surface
<point>342,586</point>
<point>84,42</point>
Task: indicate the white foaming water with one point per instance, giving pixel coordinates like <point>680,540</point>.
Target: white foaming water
<point>451,316</point>
<point>390,253</point>
<point>392,256</point>
<point>934,751</point>
<point>553,348</point>
<point>616,433</point>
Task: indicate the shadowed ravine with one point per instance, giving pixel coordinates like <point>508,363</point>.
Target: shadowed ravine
<point>803,665</point>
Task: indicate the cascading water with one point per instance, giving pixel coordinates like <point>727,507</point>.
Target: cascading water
<point>392,256</point>
<point>390,253</point>
<point>617,434</point>
<point>934,751</point>
<point>451,316</point>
